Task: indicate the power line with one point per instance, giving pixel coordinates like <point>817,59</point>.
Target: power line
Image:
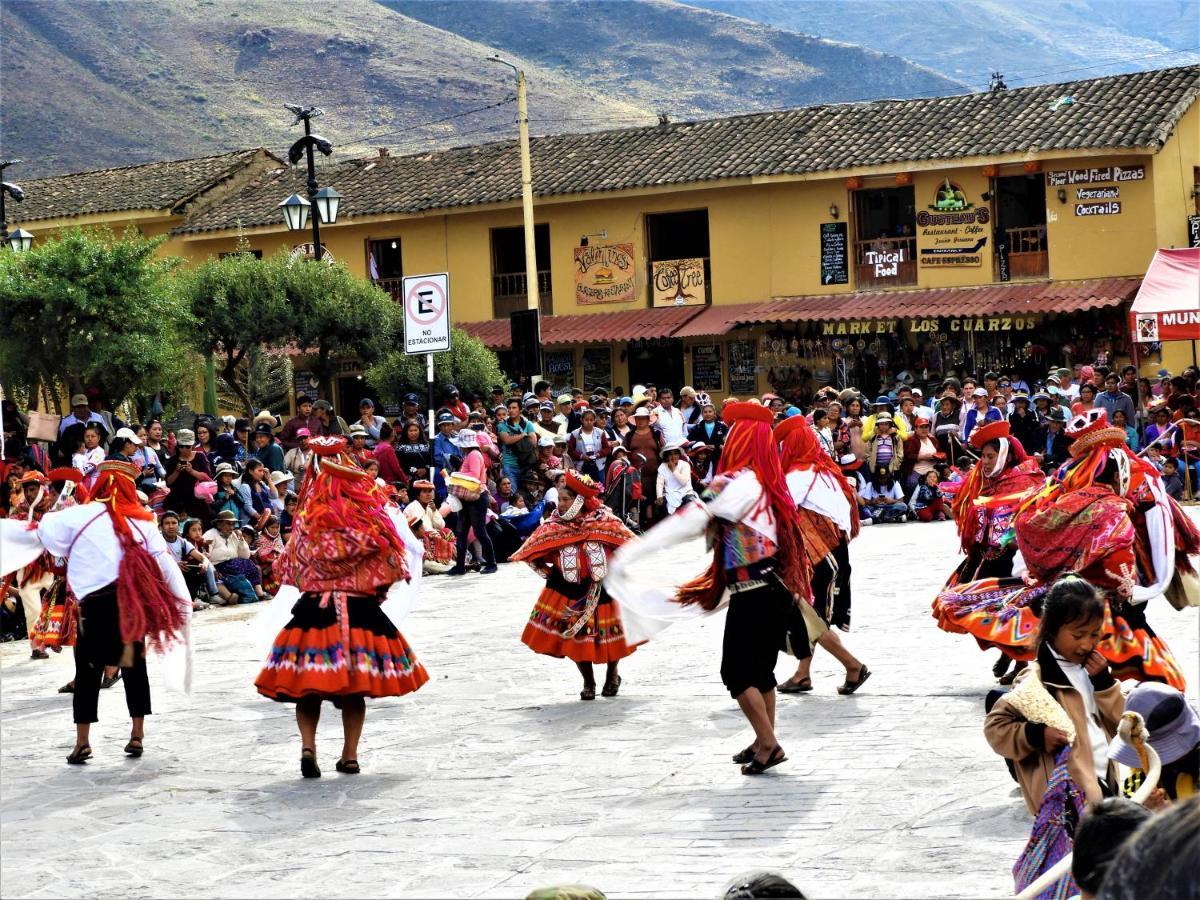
<point>1103,65</point>
<point>463,114</point>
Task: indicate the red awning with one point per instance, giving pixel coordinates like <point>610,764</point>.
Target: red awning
<point>590,328</point>
<point>1167,306</point>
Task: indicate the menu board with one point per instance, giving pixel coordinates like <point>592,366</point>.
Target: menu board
<point>597,368</point>
<point>743,366</point>
<point>835,262</point>
<point>560,366</point>
<point>1194,231</point>
<point>706,367</point>
<point>305,383</point>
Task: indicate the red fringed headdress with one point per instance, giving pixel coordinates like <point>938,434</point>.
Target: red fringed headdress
<point>582,486</point>
<point>342,538</point>
<point>749,445</point>
<point>801,450</point>
<point>148,610</point>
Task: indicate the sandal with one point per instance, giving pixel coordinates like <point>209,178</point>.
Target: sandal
<point>611,688</point>
<point>68,688</point>
<point>107,682</point>
<point>134,747</point>
<point>308,764</point>
<point>849,687</point>
<point>588,693</point>
<point>745,756</point>
<point>757,768</point>
<point>80,755</point>
<point>803,686</point>
<point>348,766</point>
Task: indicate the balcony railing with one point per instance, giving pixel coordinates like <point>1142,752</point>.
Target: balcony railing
<point>885,262</point>
<point>394,286</point>
<point>1028,254</point>
<point>510,293</point>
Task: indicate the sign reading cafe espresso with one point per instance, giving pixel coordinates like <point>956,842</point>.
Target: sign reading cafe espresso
<point>604,274</point>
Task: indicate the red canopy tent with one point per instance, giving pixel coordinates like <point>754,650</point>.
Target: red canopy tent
<point>1167,305</point>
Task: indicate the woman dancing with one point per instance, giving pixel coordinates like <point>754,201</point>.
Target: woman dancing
<point>574,617</point>
<point>348,547</point>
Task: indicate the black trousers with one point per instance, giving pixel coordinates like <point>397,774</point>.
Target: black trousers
<point>98,645</point>
<point>474,515</point>
<point>755,627</point>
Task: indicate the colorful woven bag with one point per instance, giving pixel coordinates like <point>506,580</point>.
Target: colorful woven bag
<point>1053,834</point>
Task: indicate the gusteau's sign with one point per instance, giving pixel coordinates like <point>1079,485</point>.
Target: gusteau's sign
<point>952,231</point>
<point>678,282</point>
<point>1099,175</point>
<point>604,274</point>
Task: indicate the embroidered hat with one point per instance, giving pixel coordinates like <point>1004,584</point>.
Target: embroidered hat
<point>1173,725</point>
<point>788,425</point>
<point>327,444</point>
<point>992,431</point>
<point>64,473</point>
<point>746,409</point>
<point>1092,429</point>
<point>582,484</point>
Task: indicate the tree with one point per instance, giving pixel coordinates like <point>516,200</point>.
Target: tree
<point>469,366</point>
<point>265,376</point>
<point>237,304</point>
<point>86,309</point>
<point>337,314</point>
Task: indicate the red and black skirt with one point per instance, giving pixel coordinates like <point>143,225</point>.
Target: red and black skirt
<point>315,656</point>
<point>600,638</point>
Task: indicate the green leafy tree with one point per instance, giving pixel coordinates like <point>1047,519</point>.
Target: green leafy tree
<point>265,376</point>
<point>86,309</point>
<point>469,366</point>
<point>339,315</point>
<point>237,304</point>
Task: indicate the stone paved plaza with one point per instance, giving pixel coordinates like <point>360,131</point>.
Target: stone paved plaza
<point>495,779</point>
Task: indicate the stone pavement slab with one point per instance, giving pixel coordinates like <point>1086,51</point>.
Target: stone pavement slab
<point>494,779</point>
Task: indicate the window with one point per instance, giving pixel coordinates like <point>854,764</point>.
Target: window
<point>885,245</point>
<point>1020,207</point>
<point>384,265</point>
<point>676,237</point>
<point>509,291</point>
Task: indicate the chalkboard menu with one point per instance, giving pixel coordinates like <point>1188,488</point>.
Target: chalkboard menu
<point>706,367</point>
<point>597,368</point>
<point>305,383</point>
<point>560,366</point>
<point>835,263</point>
<point>1194,231</point>
<point>743,377</point>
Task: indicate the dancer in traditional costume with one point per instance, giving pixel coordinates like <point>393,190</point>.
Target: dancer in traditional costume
<point>984,505</point>
<point>759,563</point>
<point>131,595</point>
<point>574,617</point>
<point>350,550</point>
<point>828,516</point>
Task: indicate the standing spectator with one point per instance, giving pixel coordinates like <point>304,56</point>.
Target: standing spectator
<point>709,431</point>
<point>620,425</point>
<point>358,445</point>
<point>457,408</point>
<point>410,411</point>
<point>921,455</point>
<point>548,425</point>
<point>1172,482</point>
<point>185,470</point>
<point>518,450</point>
<point>473,515</point>
<point>981,411</point>
<point>229,451</point>
<point>413,453</point>
<point>670,420</point>
<point>296,459</point>
<point>1112,398</point>
<point>589,447</point>
<point>1024,423</point>
<point>266,450</point>
<point>446,455</point>
<point>820,424</point>
<point>71,428</point>
<point>1056,447</point>
<point>373,424</point>
<point>1087,399</point>
<point>690,405</point>
<point>1120,420</point>
<point>154,440</point>
<point>330,422</point>
<point>390,469</point>
<point>206,439</point>
<point>883,449</point>
<point>645,439</point>
<point>87,458</point>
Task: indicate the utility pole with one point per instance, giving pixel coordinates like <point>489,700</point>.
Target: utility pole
<point>532,294</point>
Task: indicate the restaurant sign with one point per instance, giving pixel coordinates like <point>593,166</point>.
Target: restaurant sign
<point>952,231</point>
<point>1096,201</point>
<point>973,324</point>
<point>678,282</point>
<point>604,274</point>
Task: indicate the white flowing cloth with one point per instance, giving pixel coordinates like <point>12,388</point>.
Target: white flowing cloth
<point>20,545</point>
<point>818,492</point>
<point>645,574</point>
<point>397,605</point>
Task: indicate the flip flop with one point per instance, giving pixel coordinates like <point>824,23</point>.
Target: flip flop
<point>80,756</point>
<point>348,766</point>
<point>107,682</point>
<point>308,764</point>
<point>134,747</point>
<point>849,687</point>
<point>744,756</point>
<point>803,686</point>
<point>754,767</point>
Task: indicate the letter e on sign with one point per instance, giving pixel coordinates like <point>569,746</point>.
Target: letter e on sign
<point>427,313</point>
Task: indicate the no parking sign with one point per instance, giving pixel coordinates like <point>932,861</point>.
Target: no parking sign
<point>427,313</point>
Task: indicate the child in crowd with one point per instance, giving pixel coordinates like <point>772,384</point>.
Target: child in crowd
<point>926,502</point>
<point>1172,482</point>
<point>268,548</point>
<point>191,561</point>
<point>517,507</point>
<point>1106,827</point>
<point>289,512</point>
<point>673,488</point>
<point>87,458</point>
<point>1154,457</point>
<point>1084,706</point>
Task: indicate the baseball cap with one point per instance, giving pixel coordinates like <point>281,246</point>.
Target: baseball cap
<point>185,437</point>
<point>129,435</point>
<point>264,428</point>
<point>564,398</point>
<point>979,392</point>
<point>79,400</point>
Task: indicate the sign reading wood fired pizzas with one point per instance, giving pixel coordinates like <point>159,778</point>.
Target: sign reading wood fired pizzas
<point>604,274</point>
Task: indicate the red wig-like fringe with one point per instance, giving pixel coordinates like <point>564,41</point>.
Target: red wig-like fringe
<point>801,450</point>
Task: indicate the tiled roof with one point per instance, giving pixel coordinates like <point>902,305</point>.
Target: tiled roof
<point>561,331</point>
<point>157,185</point>
<point>1134,111</point>
<point>1020,298</point>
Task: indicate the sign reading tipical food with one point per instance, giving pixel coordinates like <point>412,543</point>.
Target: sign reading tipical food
<point>604,274</point>
<point>743,367</point>
<point>835,264</point>
<point>952,231</point>
<point>678,282</point>
<point>706,367</point>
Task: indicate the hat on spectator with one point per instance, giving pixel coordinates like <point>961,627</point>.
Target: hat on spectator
<point>563,398</point>
<point>266,416</point>
<point>323,404</point>
<point>917,392</point>
<point>264,428</point>
<point>278,478</point>
<point>229,420</point>
<point>1057,414</point>
<point>1020,395</point>
<point>545,442</point>
<point>620,448</point>
<point>412,398</point>
<point>225,515</point>
<point>1063,372</point>
<point>129,435</point>
<point>468,438</point>
<point>881,400</point>
<point>849,462</point>
<point>687,391</point>
<point>422,484</point>
<point>884,420</point>
<point>79,400</point>
<point>500,410</point>
<point>303,433</point>
<point>546,407</point>
<point>1042,395</point>
<point>641,413</point>
<point>922,421</point>
<point>443,419</point>
<point>559,439</point>
<point>673,445</point>
<point>698,447</point>
<point>1173,725</point>
<point>451,391</point>
<point>357,429</point>
<point>366,403</point>
<point>979,392</point>
<point>224,469</point>
<point>625,401</point>
<point>185,437</point>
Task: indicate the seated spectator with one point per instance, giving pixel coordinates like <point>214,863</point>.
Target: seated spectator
<point>1172,481</point>
<point>926,502</point>
<point>673,488</point>
<point>921,455</point>
<point>228,497</point>
<point>884,499</point>
<point>372,424</point>
<point>1120,420</point>
<point>238,577</point>
<point>266,450</point>
<point>296,459</point>
<point>258,494</point>
<point>288,516</point>
<point>267,549</point>
<point>1174,729</point>
<point>192,562</point>
<point>440,547</point>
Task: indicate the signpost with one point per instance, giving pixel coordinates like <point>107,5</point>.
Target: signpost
<point>427,328</point>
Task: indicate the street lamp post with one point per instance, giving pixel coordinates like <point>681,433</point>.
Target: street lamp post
<point>20,239</point>
<point>296,209</point>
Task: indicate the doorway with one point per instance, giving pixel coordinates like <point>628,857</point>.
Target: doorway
<point>657,361</point>
<point>1021,248</point>
<point>885,242</point>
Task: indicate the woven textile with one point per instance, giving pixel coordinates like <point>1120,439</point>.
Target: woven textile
<point>1053,833</point>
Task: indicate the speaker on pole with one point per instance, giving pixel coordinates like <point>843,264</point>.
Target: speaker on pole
<point>525,325</point>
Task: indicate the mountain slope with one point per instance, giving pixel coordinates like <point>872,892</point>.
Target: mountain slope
<point>112,83</point>
<point>1030,41</point>
<point>677,59</point>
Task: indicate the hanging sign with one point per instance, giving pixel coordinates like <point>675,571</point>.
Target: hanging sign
<point>743,368</point>
<point>952,231</point>
<point>597,368</point>
<point>835,264</point>
<point>1193,231</point>
<point>604,274</point>
<point>305,251</point>
<point>678,282</point>
<point>706,367</point>
<point>427,313</point>
<point>1099,175</point>
<point>560,365</point>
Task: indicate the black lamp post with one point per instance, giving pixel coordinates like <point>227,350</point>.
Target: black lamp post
<point>296,209</point>
<point>20,239</point>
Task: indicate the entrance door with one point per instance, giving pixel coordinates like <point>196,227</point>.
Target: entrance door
<point>657,361</point>
<point>1020,203</point>
<point>351,389</point>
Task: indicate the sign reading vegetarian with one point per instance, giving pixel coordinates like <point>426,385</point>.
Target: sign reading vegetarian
<point>678,282</point>
<point>604,274</point>
<point>952,231</point>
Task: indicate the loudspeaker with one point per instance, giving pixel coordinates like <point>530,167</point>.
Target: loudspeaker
<point>525,325</point>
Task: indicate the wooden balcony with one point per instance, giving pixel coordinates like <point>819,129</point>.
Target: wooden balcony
<point>1028,254</point>
<point>510,293</point>
<point>885,262</point>
<point>394,286</point>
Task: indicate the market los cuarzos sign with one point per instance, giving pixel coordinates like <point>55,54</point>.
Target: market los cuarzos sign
<point>931,326</point>
<point>1096,201</point>
<point>952,231</point>
<point>604,274</point>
